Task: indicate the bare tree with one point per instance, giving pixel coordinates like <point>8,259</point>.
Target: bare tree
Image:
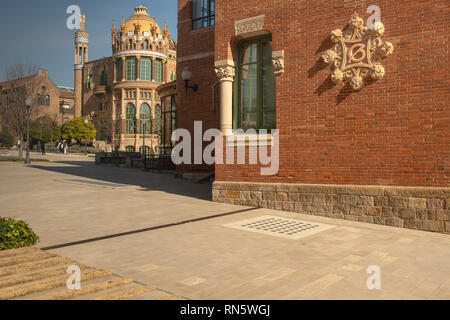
<point>22,83</point>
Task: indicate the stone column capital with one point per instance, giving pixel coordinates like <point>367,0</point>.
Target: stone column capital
<point>225,70</point>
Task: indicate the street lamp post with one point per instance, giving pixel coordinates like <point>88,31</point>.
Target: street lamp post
<point>85,135</point>
<point>28,106</point>
<point>144,127</point>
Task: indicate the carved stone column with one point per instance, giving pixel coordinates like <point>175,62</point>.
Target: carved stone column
<point>114,70</point>
<point>153,69</point>
<point>123,68</point>
<point>138,67</point>
<point>225,72</point>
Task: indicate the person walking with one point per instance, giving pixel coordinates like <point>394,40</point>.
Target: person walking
<point>65,147</point>
<point>42,142</point>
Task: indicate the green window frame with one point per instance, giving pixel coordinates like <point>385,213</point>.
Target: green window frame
<point>130,68</point>
<point>129,149</point>
<point>158,70</point>
<point>130,124</point>
<point>146,69</point>
<point>89,82</point>
<point>144,150</point>
<point>255,98</point>
<point>144,118</point>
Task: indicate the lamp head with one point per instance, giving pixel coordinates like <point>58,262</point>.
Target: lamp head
<point>186,74</point>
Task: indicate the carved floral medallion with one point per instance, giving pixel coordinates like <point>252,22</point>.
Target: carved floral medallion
<point>357,53</point>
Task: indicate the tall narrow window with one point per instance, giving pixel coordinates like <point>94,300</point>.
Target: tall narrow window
<point>256,103</point>
<point>47,100</point>
<point>203,13</point>
<point>130,66</point>
<point>119,70</point>
<point>144,118</point>
<point>103,77</point>
<point>130,124</point>
<point>157,128</point>
<point>146,69</point>
<point>89,81</point>
<point>158,70</point>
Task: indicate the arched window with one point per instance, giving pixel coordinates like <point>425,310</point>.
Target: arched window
<point>130,123</point>
<point>38,99</point>
<point>129,149</point>
<point>131,44</point>
<point>146,44</point>
<point>144,150</point>
<point>47,100</point>
<point>130,66</point>
<point>146,69</point>
<point>158,70</point>
<point>144,118</point>
<point>157,128</point>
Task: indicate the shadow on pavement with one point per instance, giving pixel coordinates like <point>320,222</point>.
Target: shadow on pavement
<point>149,181</point>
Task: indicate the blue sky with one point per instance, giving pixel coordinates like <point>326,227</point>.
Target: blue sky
<point>35,31</point>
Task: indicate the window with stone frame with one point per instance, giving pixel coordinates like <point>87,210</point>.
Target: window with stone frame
<point>255,100</point>
<point>158,70</point>
<point>130,122</point>
<point>146,69</point>
<point>144,118</point>
<point>130,68</point>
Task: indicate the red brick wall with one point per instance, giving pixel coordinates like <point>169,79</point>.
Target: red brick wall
<point>195,105</point>
<point>395,131</point>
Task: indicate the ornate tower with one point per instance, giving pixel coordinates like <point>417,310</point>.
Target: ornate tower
<point>81,57</point>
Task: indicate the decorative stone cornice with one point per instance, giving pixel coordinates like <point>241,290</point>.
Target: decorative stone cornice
<point>278,62</point>
<point>250,27</point>
<point>357,53</point>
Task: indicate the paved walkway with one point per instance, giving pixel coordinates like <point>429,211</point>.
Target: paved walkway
<point>70,199</point>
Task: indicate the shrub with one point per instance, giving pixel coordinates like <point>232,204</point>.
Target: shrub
<point>16,234</point>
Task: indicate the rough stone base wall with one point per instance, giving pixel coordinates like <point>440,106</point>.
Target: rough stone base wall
<point>418,208</point>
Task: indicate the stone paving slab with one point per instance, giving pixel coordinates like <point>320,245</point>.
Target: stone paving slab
<point>32,279</point>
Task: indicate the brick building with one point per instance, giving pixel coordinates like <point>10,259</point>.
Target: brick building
<point>119,92</point>
<point>361,104</point>
<point>50,99</point>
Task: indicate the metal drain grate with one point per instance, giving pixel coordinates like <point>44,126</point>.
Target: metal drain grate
<point>280,226</point>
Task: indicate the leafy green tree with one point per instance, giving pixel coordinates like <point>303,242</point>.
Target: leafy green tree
<point>75,129</point>
<point>51,131</point>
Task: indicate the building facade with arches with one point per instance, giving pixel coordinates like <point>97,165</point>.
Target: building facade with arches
<point>118,93</point>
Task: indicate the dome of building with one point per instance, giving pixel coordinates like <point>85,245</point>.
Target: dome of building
<point>142,20</point>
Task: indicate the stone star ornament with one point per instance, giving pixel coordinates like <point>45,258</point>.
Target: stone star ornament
<point>357,53</point>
